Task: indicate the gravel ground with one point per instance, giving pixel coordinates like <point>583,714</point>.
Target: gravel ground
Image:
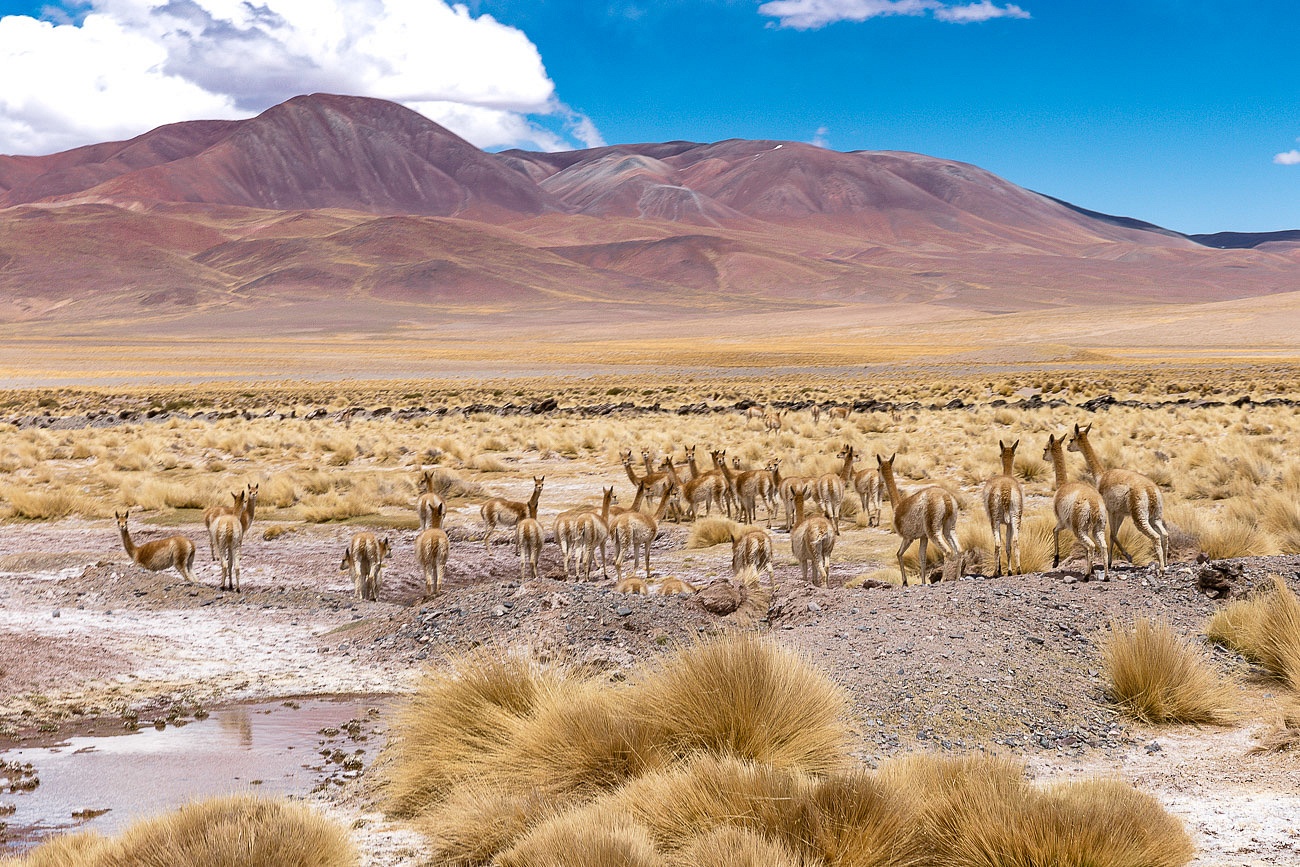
<point>1008,664</point>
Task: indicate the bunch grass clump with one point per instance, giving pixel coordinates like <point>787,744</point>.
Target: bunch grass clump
<point>1264,627</point>
<point>230,831</point>
<point>748,697</point>
<point>733,751</point>
<point>710,531</point>
<point>1157,677</point>
<point>979,811</point>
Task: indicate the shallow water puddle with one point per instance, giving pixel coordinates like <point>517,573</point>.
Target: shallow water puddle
<point>270,748</point>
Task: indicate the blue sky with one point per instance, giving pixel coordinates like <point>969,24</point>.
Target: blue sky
<point>1186,114</point>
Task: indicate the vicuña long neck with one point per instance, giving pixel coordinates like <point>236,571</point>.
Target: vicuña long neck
<point>846,471</point>
<point>1008,462</point>
<point>663,504</point>
<point>887,471</point>
<point>126,542</point>
<point>798,509</point>
<point>631,475</point>
<point>604,507</point>
<point>1058,463</point>
<point>1089,454</point>
<point>537,495</point>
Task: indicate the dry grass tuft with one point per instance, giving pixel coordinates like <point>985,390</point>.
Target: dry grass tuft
<point>84,849</point>
<point>729,846</point>
<point>1218,536</point>
<point>713,792</point>
<point>707,532</point>
<point>477,821</point>
<point>978,811</point>
<point>745,696</point>
<point>231,831</point>
<point>1157,677</point>
<point>1265,628</point>
<point>449,485</point>
<point>571,840</point>
<point>459,715</point>
<point>41,505</point>
<point>577,740</point>
<point>1283,737</point>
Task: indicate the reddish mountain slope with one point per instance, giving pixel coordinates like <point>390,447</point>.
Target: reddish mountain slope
<point>382,216</point>
<point>316,151</point>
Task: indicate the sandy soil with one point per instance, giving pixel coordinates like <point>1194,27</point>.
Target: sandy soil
<point>1007,664</point>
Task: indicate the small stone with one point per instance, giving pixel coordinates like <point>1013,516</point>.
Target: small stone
<point>56,613</point>
<point>623,611</point>
<point>814,607</point>
<point>499,611</point>
<point>1153,747</point>
<point>1034,639</point>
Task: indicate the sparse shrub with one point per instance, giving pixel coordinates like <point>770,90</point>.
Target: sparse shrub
<point>459,715</point>
<point>980,811</point>
<point>748,697</point>
<point>231,831</point>
<point>448,484</point>
<point>1159,678</point>
<point>1265,628</point>
<point>335,507</point>
<point>571,840</point>
<point>730,846</point>
<point>710,531</point>
<point>41,505</point>
<point>1284,736</point>
<point>487,464</point>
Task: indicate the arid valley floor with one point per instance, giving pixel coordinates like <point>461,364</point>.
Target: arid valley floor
<point>1009,665</point>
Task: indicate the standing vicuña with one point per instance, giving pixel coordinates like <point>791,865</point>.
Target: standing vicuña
<point>593,531</point>
<point>429,500</point>
<point>528,544</point>
<point>633,530</point>
<point>173,552</point>
<point>705,489</point>
<point>1127,494</point>
<point>928,515</point>
<point>830,487</point>
<point>365,557</point>
<point>812,540</point>
<point>1079,508</point>
<point>507,513</point>
<point>227,539</point>
<point>210,515</point>
<point>1004,502</point>
<point>753,486</point>
<point>869,487</point>
<point>431,548</point>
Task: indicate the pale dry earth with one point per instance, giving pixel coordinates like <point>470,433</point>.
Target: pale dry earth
<point>838,339</point>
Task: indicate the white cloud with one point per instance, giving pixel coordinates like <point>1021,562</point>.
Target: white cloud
<point>1289,158</point>
<point>982,11</point>
<point>812,14</point>
<point>819,138</point>
<point>131,65</point>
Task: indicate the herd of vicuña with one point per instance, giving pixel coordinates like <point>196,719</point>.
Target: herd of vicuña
<point>813,509</point>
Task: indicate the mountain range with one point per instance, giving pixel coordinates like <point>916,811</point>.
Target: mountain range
<point>360,211</point>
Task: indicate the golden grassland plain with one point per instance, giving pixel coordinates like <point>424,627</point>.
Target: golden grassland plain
<point>1229,474</point>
